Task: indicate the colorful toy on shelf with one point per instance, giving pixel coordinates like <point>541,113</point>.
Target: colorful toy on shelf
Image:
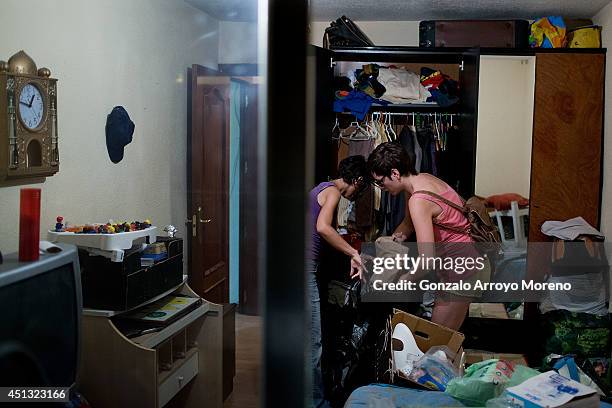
<point>108,228</point>
<point>59,227</point>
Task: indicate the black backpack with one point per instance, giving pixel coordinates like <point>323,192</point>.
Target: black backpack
<point>344,33</point>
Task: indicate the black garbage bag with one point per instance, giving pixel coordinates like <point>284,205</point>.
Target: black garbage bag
<point>350,331</point>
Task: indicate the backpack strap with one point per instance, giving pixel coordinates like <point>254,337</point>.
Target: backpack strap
<point>444,200</point>
<point>459,208</point>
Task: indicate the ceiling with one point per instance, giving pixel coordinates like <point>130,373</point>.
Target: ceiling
<point>411,10</point>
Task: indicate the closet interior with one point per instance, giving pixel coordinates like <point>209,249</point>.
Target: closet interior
<point>528,120</point>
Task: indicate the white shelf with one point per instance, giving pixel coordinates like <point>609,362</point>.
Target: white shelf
<point>104,242</point>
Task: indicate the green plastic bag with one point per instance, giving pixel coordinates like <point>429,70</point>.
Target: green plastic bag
<point>486,380</point>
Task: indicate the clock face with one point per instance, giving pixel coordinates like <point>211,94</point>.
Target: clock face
<point>31,106</point>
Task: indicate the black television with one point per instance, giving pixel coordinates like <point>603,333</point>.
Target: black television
<point>40,323</point>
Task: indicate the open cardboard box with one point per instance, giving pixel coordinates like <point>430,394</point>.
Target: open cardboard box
<point>427,335</point>
<point>476,356</point>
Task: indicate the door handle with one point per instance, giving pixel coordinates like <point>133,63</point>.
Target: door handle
<point>206,221</point>
<point>194,225</point>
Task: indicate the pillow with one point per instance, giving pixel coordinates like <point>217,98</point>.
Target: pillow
<point>502,201</point>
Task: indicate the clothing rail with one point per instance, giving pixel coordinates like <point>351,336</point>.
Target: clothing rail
<point>440,114</point>
<point>434,114</point>
<point>427,114</point>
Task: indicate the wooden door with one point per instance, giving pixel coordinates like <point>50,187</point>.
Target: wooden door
<point>208,202</point>
<point>249,276</point>
<point>567,140</point>
<point>566,158</point>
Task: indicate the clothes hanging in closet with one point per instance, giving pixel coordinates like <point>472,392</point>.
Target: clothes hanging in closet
<point>392,212</point>
<point>406,138</point>
<point>360,147</point>
<point>425,139</point>
<point>451,161</point>
<point>435,148</point>
<point>418,152</point>
<point>343,151</point>
<point>364,209</point>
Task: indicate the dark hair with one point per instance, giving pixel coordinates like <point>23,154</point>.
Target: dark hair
<point>352,168</point>
<point>390,155</point>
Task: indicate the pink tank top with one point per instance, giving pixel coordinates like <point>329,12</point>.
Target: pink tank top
<point>452,218</point>
<point>449,216</point>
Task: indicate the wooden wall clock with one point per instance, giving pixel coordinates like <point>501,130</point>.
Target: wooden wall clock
<point>29,149</point>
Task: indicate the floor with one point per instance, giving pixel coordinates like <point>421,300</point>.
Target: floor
<point>248,362</point>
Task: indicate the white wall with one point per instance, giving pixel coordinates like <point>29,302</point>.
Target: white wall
<point>604,19</point>
<point>405,33</point>
<point>237,42</point>
<point>105,53</point>
<point>505,122</point>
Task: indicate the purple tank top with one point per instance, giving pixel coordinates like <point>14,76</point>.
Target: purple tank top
<point>313,247</point>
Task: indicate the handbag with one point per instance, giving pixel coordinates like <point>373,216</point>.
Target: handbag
<point>344,33</point>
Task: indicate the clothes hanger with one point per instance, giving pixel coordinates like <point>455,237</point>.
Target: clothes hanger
<point>371,129</point>
<point>359,134</point>
<point>389,128</point>
<point>336,127</point>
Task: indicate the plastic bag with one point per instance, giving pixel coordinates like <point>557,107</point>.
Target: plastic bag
<point>566,366</point>
<point>486,380</point>
<point>435,369</point>
<point>343,294</point>
<point>504,401</point>
<point>584,37</point>
<point>547,32</point>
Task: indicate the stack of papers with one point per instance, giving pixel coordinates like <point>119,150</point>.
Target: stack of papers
<point>550,389</point>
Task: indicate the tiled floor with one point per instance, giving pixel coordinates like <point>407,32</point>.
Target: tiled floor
<point>248,363</point>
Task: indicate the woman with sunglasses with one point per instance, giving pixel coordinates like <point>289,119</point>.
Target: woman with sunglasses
<point>323,202</point>
<point>434,222</point>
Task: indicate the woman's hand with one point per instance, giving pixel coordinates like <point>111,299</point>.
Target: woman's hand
<point>399,236</point>
<point>356,266</point>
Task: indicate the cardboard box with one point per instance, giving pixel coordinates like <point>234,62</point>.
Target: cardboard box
<point>427,335</point>
<point>476,356</point>
<point>488,310</point>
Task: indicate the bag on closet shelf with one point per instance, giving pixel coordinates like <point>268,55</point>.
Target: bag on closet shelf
<point>584,37</point>
<point>344,33</point>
